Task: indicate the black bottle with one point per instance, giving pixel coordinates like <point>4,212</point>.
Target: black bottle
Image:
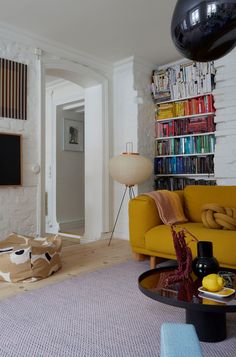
<point>204,263</point>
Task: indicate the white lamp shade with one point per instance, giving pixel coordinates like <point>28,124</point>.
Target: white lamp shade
<point>130,169</point>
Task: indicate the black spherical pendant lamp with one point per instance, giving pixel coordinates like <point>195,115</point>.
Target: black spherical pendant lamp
<point>204,30</point>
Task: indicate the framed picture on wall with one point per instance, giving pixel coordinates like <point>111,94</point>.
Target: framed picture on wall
<point>73,135</point>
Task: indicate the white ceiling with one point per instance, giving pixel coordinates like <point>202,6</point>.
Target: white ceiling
<point>107,29</point>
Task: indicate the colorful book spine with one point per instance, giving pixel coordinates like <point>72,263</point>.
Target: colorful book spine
<point>200,105</point>
<point>179,183</point>
<point>184,165</point>
<point>185,126</point>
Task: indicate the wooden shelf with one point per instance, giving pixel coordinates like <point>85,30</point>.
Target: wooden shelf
<point>186,117</point>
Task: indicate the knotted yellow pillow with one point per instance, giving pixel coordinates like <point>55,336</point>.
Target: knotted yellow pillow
<point>218,217</point>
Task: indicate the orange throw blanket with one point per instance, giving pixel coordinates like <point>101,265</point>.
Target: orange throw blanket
<point>169,206</point>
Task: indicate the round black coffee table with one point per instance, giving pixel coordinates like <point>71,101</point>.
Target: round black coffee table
<point>207,315</point>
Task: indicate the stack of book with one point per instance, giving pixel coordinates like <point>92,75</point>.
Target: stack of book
<point>160,86</point>
<point>184,165</point>
<point>186,145</point>
<point>178,183</point>
<point>185,126</point>
<point>182,81</point>
<point>166,111</point>
<point>199,105</point>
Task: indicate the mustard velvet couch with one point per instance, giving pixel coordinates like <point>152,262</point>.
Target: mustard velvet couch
<point>150,237</point>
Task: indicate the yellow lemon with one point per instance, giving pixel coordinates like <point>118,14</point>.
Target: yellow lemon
<point>213,282</point>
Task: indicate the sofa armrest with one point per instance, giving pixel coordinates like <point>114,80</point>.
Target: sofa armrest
<point>143,215</point>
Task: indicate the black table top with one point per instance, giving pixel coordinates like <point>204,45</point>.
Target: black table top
<point>183,294</point>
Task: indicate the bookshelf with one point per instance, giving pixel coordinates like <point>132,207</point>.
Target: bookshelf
<point>184,125</point>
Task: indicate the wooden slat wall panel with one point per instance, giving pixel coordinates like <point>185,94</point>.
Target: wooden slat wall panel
<point>13,89</point>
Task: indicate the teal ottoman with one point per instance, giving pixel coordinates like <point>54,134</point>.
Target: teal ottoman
<point>179,340</point>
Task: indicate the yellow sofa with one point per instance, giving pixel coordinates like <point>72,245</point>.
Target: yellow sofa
<point>150,237</point>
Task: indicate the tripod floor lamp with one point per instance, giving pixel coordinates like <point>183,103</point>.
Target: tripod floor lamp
<point>129,169</point>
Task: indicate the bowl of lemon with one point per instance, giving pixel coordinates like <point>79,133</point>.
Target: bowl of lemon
<point>214,284</point>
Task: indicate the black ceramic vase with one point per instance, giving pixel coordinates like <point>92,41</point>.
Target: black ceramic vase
<point>204,30</point>
<point>204,263</point>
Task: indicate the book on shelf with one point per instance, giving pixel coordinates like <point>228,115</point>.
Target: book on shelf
<point>166,111</point>
<point>186,145</point>
<point>184,80</point>
<point>200,105</point>
<point>185,126</point>
<point>184,165</point>
<point>180,109</point>
<point>178,183</point>
<point>160,86</point>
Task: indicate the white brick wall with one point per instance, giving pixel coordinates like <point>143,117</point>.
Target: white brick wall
<point>146,119</point>
<point>225,103</point>
<point>18,205</point>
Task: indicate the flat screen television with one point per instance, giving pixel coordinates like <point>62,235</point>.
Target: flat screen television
<point>10,159</point>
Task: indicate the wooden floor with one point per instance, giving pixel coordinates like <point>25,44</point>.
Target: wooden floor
<point>76,259</point>
<point>78,231</point>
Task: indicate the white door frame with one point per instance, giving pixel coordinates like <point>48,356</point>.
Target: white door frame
<point>52,224</point>
<point>85,77</point>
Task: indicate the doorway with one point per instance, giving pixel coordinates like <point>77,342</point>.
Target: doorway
<point>64,170</point>
<point>70,208</point>
<point>96,146</point>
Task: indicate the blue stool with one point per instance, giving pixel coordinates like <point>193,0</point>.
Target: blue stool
<point>179,340</point>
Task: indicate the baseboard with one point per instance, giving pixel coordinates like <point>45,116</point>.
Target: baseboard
<point>69,235</point>
<point>72,224</point>
<point>118,235</point>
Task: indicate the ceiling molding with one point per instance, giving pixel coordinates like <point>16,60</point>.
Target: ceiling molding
<point>123,62</point>
<point>124,65</point>
<point>136,64</point>
<point>15,34</point>
<point>141,65</point>
<point>174,63</point>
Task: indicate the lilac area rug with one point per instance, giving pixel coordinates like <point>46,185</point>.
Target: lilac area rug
<point>100,314</point>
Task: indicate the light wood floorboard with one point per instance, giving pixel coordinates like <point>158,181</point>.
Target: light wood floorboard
<point>76,259</point>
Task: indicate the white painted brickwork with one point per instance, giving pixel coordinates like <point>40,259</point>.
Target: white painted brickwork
<point>146,115</point>
<point>225,103</point>
<point>18,205</point>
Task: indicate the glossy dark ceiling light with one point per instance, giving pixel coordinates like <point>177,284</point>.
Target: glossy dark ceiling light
<point>204,30</point>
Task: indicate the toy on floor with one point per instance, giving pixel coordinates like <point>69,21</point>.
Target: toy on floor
<point>29,259</point>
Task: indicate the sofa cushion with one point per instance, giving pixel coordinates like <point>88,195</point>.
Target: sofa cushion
<point>197,196</point>
<point>159,240</point>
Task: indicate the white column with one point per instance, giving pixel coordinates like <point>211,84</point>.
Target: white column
<point>124,130</point>
<point>93,162</point>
